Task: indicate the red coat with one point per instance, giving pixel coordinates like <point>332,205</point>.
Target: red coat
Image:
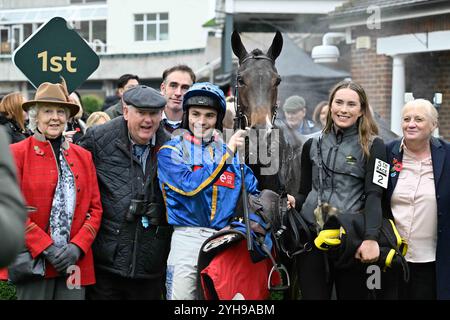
<point>37,174</point>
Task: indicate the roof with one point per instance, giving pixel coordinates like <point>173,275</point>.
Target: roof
<point>41,15</point>
<point>356,7</point>
<point>293,61</point>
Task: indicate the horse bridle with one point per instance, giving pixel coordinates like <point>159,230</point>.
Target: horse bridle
<point>240,115</point>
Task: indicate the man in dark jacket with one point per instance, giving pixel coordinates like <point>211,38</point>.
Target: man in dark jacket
<point>12,209</point>
<point>132,246</point>
<point>125,82</point>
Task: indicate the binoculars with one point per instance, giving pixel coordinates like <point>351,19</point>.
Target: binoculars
<point>142,208</point>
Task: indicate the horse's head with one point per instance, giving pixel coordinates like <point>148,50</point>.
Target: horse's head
<point>257,82</point>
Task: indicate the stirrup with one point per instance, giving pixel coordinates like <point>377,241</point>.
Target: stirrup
<point>281,269</point>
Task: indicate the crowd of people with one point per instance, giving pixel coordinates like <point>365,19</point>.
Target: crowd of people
<point>129,195</point>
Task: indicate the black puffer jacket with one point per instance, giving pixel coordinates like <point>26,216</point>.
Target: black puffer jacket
<point>12,128</point>
<point>122,247</point>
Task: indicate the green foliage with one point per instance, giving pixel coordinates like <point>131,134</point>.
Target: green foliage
<point>91,103</point>
<point>7,291</point>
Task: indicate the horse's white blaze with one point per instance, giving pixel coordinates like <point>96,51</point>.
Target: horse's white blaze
<point>268,124</point>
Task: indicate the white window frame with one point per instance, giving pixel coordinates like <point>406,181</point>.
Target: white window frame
<point>18,27</point>
<point>7,40</point>
<point>146,22</point>
<point>96,44</point>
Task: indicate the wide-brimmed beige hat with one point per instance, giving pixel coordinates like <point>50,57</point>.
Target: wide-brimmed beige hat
<point>54,94</point>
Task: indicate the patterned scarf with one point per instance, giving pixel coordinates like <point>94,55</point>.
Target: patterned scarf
<point>63,205</point>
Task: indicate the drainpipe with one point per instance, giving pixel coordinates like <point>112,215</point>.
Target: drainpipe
<point>398,92</point>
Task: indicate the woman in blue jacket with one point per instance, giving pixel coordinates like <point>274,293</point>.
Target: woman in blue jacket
<point>418,196</point>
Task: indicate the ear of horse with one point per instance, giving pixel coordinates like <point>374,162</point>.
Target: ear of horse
<point>277,44</point>
<point>238,48</point>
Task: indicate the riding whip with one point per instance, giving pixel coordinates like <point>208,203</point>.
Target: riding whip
<point>248,232</point>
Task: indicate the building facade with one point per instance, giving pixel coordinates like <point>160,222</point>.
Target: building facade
<point>399,48</point>
<point>141,37</point>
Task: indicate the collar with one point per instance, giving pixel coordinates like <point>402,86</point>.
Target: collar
<point>352,130</point>
<point>3,118</point>
<point>41,138</point>
<point>434,142</point>
<point>404,149</point>
<point>171,122</point>
<point>402,145</point>
<point>151,143</point>
<point>300,125</point>
<point>190,137</point>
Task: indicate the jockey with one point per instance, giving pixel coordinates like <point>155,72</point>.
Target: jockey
<point>200,178</point>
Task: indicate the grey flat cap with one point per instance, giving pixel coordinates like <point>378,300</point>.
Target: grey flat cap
<point>144,97</point>
<point>294,104</point>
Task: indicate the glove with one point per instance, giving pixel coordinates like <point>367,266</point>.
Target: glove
<point>67,256</point>
<point>50,253</point>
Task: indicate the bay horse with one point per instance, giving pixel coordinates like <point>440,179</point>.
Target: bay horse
<point>256,95</point>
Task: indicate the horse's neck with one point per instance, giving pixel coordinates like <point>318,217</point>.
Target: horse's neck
<point>267,180</point>
<point>271,182</point>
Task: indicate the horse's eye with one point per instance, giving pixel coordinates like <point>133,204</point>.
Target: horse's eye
<point>278,81</point>
<point>240,82</point>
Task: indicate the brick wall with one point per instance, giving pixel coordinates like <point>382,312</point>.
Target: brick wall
<point>374,73</point>
<point>443,85</point>
<point>426,73</point>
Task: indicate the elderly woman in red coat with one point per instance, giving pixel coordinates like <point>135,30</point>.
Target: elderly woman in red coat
<point>59,181</point>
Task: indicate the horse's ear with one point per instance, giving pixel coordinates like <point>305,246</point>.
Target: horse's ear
<point>277,44</point>
<point>238,48</point>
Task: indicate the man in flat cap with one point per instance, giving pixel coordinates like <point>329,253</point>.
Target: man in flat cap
<point>132,246</point>
<point>294,109</point>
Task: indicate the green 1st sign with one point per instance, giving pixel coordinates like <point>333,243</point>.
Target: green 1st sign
<point>55,50</point>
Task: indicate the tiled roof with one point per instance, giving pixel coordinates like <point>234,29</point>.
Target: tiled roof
<point>354,7</point>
